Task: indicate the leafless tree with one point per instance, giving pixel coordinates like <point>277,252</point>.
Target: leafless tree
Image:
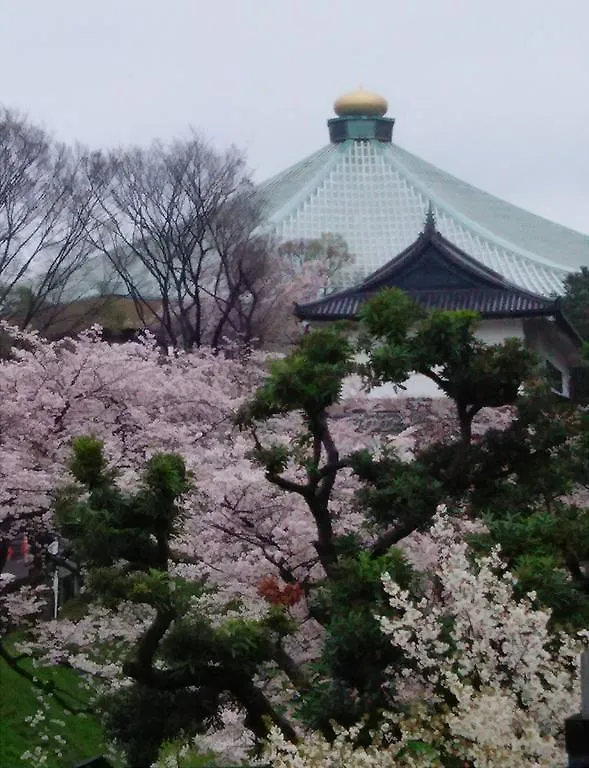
<point>45,213</point>
<point>179,224</point>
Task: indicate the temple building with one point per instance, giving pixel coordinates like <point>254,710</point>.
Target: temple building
<point>410,225</point>
<point>374,194</point>
<point>405,224</point>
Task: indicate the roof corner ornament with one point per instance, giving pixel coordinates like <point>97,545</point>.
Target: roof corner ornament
<point>429,225</point>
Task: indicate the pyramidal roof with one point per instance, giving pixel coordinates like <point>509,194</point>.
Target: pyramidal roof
<point>376,195</point>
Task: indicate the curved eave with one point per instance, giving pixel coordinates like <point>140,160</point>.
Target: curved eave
<point>306,312</point>
<point>430,237</point>
<point>497,304</point>
<point>469,285</point>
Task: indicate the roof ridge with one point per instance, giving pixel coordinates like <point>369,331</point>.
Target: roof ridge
<point>460,217</point>
<point>300,163</point>
<point>293,202</point>
<point>493,196</point>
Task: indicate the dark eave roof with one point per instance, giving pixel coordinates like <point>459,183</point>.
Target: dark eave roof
<point>437,275</point>
<point>340,306</point>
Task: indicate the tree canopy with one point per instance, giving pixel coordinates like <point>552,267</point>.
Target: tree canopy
<point>262,572</point>
<point>576,301</point>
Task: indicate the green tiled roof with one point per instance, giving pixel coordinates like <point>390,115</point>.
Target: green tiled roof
<point>375,195</point>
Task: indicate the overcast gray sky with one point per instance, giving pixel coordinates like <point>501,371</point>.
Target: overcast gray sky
<point>493,91</point>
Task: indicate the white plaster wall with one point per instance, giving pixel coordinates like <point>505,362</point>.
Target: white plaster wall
<point>489,331</point>
<point>496,331</point>
<point>549,343</point>
<point>416,386</point>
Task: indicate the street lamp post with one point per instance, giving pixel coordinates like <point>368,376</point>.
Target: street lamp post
<point>53,549</point>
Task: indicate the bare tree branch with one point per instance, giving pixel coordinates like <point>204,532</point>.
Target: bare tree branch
<point>45,212</point>
<point>178,224</point>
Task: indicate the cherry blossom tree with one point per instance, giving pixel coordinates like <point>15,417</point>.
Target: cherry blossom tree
<point>330,250</point>
<point>487,681</point>
<point>130,396</point>
<point>285,527</point>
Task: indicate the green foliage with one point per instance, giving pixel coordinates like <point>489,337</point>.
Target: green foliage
<point>142,718</point>
<point>520,471</point>
<point>18,700</point>
<point>467,370</point>
<point>399,339</point>
<point>274,458</point>
<point>167,480</point>
<point>349,677</point>
<point>88,465</point>
<point>185,757</point>
<point>386,322</point>
<point>278,621</point>
<point>185,664</point>
<point>309,379</point>
<point>514,478</point>
<point>539,457</point>
<point>517,480</point>
<point>420,749</point>
<point>395,492</point>
<point>103,529</point>
<point>446,339</point>
<point>237,646</point>
<point>153,587</point>
<point>244,644</point>
<point>576,301</point>
<point>110,525</point>
<point>388,318</point>
<point>546,551</point>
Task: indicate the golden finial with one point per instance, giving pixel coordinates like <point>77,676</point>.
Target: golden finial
<point>360,103</point>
